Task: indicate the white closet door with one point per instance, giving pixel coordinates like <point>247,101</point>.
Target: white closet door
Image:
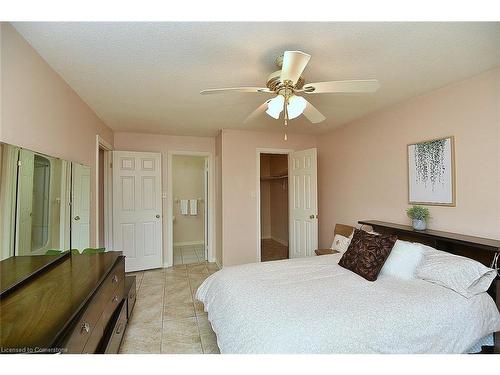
<point>137,208</point>
<point>80,207</point>
<point>303,201</point>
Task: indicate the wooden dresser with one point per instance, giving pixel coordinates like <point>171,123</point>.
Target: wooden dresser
<point>71,304</point>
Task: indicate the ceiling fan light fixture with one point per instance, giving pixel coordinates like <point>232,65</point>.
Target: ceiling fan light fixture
<point>296,105</point>
<point>275,106</point>
<point>288,81</point>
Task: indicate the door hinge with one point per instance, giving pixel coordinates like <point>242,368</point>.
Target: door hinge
<point>19,163</point>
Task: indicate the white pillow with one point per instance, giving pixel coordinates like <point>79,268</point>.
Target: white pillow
<point>341,243</point>
<point>463,275</point>
<point>403,260</point>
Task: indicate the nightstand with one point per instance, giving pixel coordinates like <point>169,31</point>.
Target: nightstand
<point>325,251</point>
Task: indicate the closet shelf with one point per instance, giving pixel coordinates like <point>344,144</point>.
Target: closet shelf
<point>268,178</point>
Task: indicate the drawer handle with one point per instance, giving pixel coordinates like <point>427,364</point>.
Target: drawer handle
<point>115,279</point>
<point>115,299</point>
<point>85,327</point>
<point>119,328</point>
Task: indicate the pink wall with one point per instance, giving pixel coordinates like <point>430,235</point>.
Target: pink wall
<point>163,144</point>
<point>239,185</point>
<point>363,165</point>
<point>40,112</point>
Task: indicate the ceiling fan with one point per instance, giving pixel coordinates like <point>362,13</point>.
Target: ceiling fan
<point>288,84</point>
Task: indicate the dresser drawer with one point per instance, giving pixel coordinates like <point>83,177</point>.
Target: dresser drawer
<point>113,301</point>
<point>130,294</point>
<point>115,278</point>
<point>99,330</point>
<point>84,327</point>
<point>95,337</point>
<point>116,330</point>
<point>98,312</point>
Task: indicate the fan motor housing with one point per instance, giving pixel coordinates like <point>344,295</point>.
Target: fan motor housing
<point>274,83</point>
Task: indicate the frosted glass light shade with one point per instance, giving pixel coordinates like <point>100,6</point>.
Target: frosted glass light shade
<point>275,106</point>
<point>296,105</point>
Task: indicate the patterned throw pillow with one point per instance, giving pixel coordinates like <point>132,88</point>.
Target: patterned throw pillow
<point>367,254</point>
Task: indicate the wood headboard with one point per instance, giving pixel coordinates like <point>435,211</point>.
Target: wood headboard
<point>343,230</point>
<point>480,249</point>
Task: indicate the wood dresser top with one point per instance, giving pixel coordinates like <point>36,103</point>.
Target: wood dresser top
<point>15,270</point>
<point>36,313</point>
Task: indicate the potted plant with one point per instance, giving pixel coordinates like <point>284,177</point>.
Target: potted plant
<point>419,216</point>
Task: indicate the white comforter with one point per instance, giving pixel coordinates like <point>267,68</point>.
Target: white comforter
<point>312,305</point>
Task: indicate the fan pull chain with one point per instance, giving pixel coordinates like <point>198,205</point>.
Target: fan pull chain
<point>286,111</point>
<point>286,117</point>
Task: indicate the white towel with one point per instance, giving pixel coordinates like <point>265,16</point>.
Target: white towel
<point>184,206</point>
<point>193,207</point>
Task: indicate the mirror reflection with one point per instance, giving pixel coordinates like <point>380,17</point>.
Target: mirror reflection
<point>43,204</point>
<point>41,199</point>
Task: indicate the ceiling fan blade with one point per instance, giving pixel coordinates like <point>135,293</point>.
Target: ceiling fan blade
<point>236,89</point>
<point>353,86</point>
<point>260,110</point>
<point>312,114</point>
<point>294,63</point>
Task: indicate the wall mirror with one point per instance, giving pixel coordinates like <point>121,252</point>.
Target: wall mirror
<point>44,203</point>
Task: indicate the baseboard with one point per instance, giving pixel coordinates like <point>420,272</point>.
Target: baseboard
<point>189,243</point>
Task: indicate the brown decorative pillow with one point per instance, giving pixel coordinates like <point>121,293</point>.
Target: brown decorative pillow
<point>367,253</point>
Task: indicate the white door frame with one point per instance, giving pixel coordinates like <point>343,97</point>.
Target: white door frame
<point>8,201</point>
<point>259,151</point>
<point>108,193</point>
<point>169,259</point>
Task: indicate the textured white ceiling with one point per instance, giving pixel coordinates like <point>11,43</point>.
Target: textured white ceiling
<point>146,77</point>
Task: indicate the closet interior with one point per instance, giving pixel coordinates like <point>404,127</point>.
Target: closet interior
<point>274,206</point>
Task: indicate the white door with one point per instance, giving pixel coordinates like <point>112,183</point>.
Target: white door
<point>25,202</point>
<point>137,208</point>
<point>80,207</point>
<point>303,202</point>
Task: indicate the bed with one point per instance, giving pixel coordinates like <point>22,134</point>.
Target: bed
<point>312,305</point>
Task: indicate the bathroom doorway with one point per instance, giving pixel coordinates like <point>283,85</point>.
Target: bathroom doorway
<point>189,209</point>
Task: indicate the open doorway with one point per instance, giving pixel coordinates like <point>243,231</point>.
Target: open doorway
<point>100,238</point>
<point>274,206</point>
<point>104,194</point>
<point>189,216</point>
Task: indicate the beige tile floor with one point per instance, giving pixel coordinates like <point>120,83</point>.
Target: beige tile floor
<point>188,254</point>
<point>166,317</point>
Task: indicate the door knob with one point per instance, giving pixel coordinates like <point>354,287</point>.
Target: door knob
<point>311,216</point>
<point>157,216</point>
<point>77,218</point>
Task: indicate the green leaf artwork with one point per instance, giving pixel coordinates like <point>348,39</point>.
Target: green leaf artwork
<point>429,162</point>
